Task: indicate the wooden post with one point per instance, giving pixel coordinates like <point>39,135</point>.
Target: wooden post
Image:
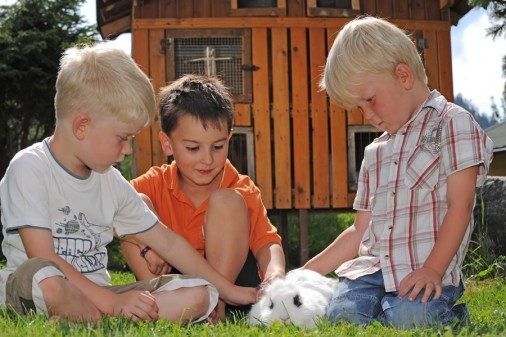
<point>303,236</point>
<point>283,232</point>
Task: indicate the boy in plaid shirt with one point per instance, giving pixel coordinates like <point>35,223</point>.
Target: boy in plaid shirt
<point>416,188</point>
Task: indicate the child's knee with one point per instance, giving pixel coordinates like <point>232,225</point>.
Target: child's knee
<point>200,298</point>
<point>227,212</point>
<point>227,198</point>
<point>356,309</point>
<point>196,302</point>
<point>23,287</point>
<point>405,314</point>
<point>53,289</point>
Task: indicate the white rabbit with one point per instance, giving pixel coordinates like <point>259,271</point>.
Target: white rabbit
<point>300,298</point>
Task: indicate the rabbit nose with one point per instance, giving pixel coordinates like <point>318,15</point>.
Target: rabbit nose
<point>283,319</point>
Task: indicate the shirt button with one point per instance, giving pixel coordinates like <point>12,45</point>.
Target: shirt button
<point>393,194</point>
<point>390,226</point>
<point>387,256</point>
<point>395,162</point>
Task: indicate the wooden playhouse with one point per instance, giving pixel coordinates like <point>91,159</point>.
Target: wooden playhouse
<point>302,151</point>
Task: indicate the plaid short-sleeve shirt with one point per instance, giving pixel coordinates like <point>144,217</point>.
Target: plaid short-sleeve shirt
<point>403,183</point>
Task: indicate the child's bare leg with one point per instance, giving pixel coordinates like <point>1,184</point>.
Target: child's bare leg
<point>226,231</point>
<point>182,305</point>
<point>65,300</point>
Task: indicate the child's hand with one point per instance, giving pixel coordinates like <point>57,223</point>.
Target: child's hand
<point>218,314</point>
<point>423,278</point>
<point>137,305</point>
<point>268,279</point>
<point>156,264</point>
<point>272,276</point>
<point>237,295</point>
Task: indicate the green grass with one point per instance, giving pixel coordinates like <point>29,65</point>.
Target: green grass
<point>486,300</point>
<point>485,296</point>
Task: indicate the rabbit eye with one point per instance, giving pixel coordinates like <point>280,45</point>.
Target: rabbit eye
<point>271,306</point>
<point>296,301</point>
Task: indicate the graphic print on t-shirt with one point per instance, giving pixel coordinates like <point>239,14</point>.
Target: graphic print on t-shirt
<point>79,242</point>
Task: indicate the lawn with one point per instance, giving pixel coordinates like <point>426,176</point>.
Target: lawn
<point>486,300</point>
<point>485,296</point>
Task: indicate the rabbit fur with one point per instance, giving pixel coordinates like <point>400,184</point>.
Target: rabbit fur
<point>300,298</point>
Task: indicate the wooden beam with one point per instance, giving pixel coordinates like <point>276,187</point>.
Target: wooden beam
<point>268,22</point>
<point>303,236</point>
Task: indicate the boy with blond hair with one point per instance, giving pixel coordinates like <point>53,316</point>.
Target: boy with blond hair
<point>416,188</point>
<point>62,201</point>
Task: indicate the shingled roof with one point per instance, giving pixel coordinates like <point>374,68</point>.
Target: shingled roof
<point>114,17</point>
<point>498,135</point>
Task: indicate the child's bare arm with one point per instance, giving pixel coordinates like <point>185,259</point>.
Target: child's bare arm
<point>344,248</point>
<point>145,267</point>
<point>271,261</point>
<point>137,305</point>
<point>460,196</point>
<point>180,254</point>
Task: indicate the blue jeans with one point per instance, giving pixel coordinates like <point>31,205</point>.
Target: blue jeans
<point>364,300</point>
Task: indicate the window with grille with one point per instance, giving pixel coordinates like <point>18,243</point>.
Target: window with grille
<point>359,136</point>
<point>333,8</point>
<point>240,151</point>
<point>222,53</point>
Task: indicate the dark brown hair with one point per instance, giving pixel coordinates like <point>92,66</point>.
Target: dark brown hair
<point>202,97</point>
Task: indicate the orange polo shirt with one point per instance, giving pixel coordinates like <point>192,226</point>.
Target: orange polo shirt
<point>176,211</point>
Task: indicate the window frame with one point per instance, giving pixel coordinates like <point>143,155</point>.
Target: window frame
<point>245,34</point>
<point>279,10</point>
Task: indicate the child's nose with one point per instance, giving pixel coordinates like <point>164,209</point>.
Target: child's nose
<point>368,114</point>
<point>207,157</point>
<point>127,148</point>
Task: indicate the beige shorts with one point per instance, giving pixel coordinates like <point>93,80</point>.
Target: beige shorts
<point>23,293</point>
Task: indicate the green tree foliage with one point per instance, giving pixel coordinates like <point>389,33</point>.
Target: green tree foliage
<point>496,11</point>
<point>33,35</point>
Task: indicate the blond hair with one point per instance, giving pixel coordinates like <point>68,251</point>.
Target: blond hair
<point>104,81</point>
<point>367,45</point>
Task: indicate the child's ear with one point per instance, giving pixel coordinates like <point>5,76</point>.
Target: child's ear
<point>80,125</point>
<point>166,143</point>
<point>405,75</point>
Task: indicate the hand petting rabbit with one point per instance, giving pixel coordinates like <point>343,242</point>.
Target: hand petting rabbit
<point>300,298</point>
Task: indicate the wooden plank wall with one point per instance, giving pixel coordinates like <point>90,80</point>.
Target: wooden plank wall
<point>392,9</point>
<point>300,138</point>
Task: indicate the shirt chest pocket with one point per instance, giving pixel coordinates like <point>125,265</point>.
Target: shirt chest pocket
<point>422,169</point>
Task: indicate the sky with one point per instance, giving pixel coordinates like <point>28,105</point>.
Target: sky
<point>476,57</point>
<point>477,61</point>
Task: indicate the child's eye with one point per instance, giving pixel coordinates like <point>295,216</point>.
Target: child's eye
<point>192,149</point>
<point>370,99</point>
<point>126,138</point>
<point>218,147</point>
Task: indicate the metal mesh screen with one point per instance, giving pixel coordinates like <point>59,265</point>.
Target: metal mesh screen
<point>213,56</point>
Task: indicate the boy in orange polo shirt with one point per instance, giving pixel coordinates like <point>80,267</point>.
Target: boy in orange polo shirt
<point>201,196</point>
